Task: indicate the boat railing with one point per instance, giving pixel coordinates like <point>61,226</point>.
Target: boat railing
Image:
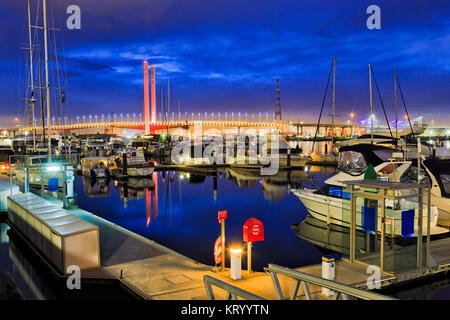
<point>343,291</point>
<point>233,292</point>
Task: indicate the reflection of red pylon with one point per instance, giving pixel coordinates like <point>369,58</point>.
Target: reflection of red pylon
<point>155,195</point>
<point>148,206</point>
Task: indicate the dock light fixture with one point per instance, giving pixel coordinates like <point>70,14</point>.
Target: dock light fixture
<point>54,168</point>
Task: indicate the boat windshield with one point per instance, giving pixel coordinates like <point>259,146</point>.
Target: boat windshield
<point>352,161</point>
<point>445,179</point>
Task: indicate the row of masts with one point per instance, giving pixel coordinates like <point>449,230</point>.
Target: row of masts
<point>47,85</point>
<point>370,102</point>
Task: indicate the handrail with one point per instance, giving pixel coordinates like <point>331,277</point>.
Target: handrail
<point>232,292</point>
<point>340,289</point>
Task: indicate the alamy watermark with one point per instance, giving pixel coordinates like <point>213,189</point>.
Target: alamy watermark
<point>374,20</point>
<point>73,22</point>
<point>254,147</point>
<point>74,280</point>
<point>374,280</point>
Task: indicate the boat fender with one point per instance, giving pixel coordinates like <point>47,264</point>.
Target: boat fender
<point>387,170</point>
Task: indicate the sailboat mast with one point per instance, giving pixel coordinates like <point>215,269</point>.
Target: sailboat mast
<point>32,100</point>
<point>395,102</point>
<point>371,105</point>
<point>47,88</point>
<point>41,98</point>
<point>168,96</point>
<point>332,110</point>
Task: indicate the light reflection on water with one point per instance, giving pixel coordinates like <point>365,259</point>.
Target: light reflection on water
<point>179,211</point>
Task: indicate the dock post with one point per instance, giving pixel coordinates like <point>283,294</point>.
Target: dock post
<point>428,226</point>
<point>25,182</point>
<point>419,231</point>
<point>249,258</point>
<point>223,244</point>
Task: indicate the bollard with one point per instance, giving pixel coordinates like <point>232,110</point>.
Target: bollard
<point>249,258</point>
<point>328,264</point>
<point>235,263</point>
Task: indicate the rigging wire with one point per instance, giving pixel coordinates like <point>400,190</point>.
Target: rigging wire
<point>406,110</point>
<point>323,103</point>
<point>382,104</point>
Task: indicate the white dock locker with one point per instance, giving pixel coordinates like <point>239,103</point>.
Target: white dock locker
<point>80,244</point>
<point>64,238</point>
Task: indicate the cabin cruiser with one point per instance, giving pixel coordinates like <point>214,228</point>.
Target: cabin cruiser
<point>403,140</point>
<point>136,164</point>
<point>438,172</point>
<point>95,167</point>
<point>38,169</point>
<point>282,150</point>
<point>114,144</point>
<point>6,150</point>
<point>93,143</point>
<point>326,203</point>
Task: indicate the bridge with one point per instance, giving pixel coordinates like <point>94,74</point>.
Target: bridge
<point>154,127</point>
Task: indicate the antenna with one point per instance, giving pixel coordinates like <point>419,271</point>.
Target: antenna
<point>371,105</point>
<point>332,110</point>
<point>277,102</point>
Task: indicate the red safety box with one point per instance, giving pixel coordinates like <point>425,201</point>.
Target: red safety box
<point>222,215</point>
<point>253,230</point>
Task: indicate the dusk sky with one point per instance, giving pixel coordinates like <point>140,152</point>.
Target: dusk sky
<point>226,55</point>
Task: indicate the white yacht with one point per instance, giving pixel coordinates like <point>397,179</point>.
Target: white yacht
<point>136,165</point>
<point>326,203</point>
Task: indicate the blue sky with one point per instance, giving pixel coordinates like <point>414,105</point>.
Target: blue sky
<point>225,56</point>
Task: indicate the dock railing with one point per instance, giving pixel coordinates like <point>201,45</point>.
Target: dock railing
<point>340,290</point>
<point>232,292</point>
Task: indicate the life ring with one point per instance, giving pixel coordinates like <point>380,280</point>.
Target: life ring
<point>218,250</point>
<point>129,155</point>
<point>388,170</point>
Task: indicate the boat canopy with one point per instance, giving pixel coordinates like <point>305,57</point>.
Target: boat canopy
<point>358,157</point>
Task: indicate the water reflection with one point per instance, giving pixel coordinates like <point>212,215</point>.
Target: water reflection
<point>179,210</point>
<point>3,233</point>
<point>96,186</point>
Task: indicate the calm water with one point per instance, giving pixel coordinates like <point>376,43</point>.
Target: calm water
<point>179,211</point>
